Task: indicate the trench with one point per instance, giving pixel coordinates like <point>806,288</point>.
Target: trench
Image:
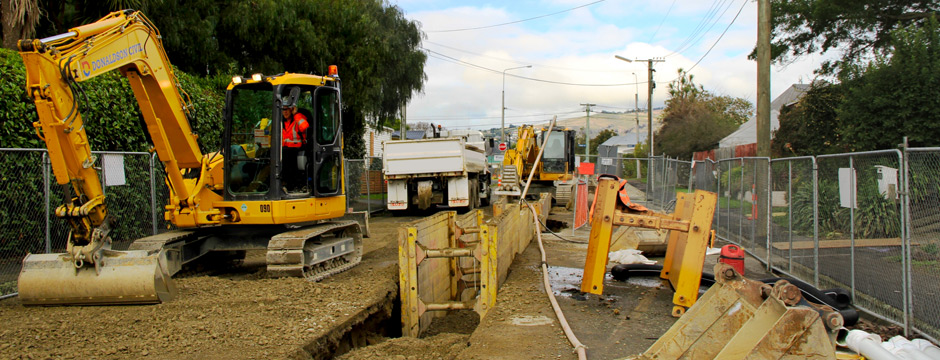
<point>379,322</point>
<point>372,325</point>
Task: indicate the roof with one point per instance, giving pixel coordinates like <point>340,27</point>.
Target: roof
<point>747,132</point>
<point>628,139</point>
<point>410,134</point>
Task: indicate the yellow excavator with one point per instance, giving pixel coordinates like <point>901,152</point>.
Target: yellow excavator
<point>252,194</point>
<point>553,174</point>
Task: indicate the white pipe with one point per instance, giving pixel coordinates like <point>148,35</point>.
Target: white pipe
<point>867,345</point>
<point>927,348</point>
<point>578,346</point>
<point>904,349</point>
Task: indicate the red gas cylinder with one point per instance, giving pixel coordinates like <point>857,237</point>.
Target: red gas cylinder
<point>733,255</point>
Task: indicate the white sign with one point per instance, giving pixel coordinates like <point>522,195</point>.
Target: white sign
<point>498,158</point>
<point>607,161</point>
<point>847,189</point>
<point>114,170</point>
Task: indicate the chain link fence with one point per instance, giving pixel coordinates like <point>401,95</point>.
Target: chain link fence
<point>923,230</point>
<point>29,194</point>
<point>366,189</point>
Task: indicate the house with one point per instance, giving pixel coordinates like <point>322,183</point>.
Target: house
<point>747,132</point>
<point>615,148</point>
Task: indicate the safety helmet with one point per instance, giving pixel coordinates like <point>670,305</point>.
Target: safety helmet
<point>290,100</point>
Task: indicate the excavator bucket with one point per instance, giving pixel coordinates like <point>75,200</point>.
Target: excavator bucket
<point>122,277</point>
<point>739,318</point>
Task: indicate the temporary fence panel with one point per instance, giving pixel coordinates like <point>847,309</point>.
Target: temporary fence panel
<point>24,216</point>
<point>860,230</point>
<point>742,209</point>
<point>794,247</point>
<point>923,228</point>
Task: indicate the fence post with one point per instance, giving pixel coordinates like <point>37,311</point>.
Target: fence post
<point>741,208</point>
<point>815,223</point>
<point>153,194</point>
<point>769,213</point>
<point>45,190</point>
<point>789,216</point>
<point>852,204</point>
<point>906,258</point>
<point>662,196</point>
<point>367,165</point>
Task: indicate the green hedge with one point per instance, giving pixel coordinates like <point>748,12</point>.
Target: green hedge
<point>113,123</point>
<point>112,118</point>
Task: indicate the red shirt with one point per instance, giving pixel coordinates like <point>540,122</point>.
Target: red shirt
<point>295,131</point>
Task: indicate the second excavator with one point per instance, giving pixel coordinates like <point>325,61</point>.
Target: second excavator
<point>274,185</point>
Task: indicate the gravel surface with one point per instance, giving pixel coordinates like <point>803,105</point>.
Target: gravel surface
<point>233,313</point>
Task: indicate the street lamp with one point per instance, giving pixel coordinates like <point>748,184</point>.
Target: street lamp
<point>649,97</point>
<point>502,122</point>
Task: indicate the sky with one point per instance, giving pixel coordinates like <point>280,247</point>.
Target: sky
<point>570,46</point>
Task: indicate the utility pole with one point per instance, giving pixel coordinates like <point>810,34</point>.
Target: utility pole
<point>587,133</point>
<point>404,123</point>
<point>636,110</point>
<point>502,121</point>
<point>763,78</point>
<point>649,98</point>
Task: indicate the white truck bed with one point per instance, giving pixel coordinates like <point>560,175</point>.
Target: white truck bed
<point>408,158</point>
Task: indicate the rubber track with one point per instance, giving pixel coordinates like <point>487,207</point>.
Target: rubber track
<point>285,252</point>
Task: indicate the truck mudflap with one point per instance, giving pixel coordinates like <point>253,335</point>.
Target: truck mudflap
<point>740,318</point>
<point>120,277</point>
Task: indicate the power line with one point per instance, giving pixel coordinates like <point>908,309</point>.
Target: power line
<point>719,36</point>
<point>709,15</point>
<point>702,34</point>
<point>438,118</point>
<point>517,61</point>
<point>517,21</point>
<point>444,57</point>
<point>661,22</point>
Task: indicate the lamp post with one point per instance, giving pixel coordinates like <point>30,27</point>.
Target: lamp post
<point>649,97</point>
<point>636,108</point>
<point>502,122</point>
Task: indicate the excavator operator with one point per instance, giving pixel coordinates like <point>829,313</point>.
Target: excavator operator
<point>294,137</point>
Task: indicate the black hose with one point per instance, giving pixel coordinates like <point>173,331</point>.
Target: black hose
<point>838,299</point>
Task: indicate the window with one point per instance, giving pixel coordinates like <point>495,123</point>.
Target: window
<point>327,115</point>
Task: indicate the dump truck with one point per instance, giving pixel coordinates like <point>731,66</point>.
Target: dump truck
<point>252,194</point>
<point>449,169</point>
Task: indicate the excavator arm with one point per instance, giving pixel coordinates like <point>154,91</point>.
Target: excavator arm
<point>90,272</point>
<point>55,67</point>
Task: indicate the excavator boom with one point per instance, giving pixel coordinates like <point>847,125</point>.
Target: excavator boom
<point>90,272</point>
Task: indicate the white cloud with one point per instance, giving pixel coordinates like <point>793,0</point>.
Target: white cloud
<point>579,47</point>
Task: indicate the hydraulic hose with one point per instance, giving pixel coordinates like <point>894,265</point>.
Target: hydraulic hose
<point>578,346</point>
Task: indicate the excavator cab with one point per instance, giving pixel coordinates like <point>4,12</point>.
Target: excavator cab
<point>274,170</point>
<point>558,156</point>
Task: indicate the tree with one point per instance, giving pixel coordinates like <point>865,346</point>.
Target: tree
<point>859,29</point>
<point>695,119</point>
<point>811,126</point>
<point>895,97</point>
<point>601,137</point>
<point>375,47</point>
<point>19,19</point>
